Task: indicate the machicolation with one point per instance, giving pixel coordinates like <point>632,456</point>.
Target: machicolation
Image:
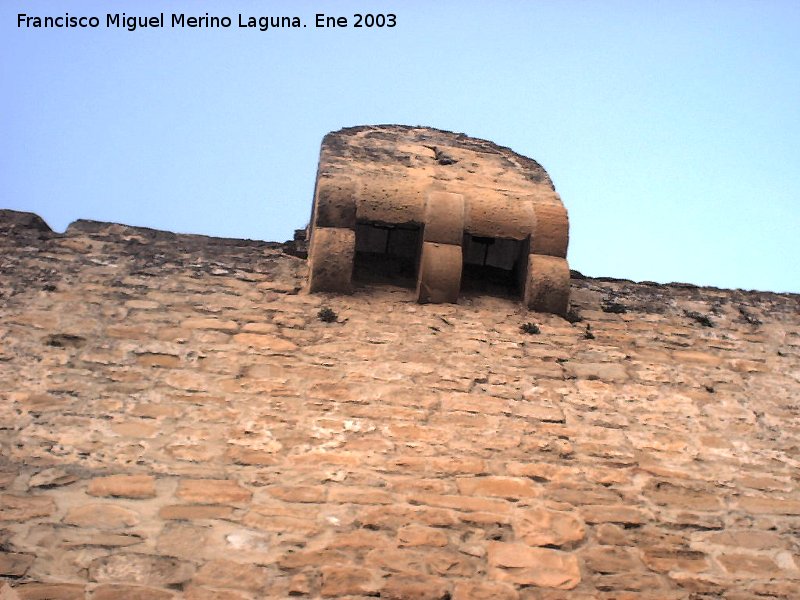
<point>439,210</point>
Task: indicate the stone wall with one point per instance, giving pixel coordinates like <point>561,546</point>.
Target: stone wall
<point>176,421</point>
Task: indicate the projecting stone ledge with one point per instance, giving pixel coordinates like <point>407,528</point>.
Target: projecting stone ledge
<point>436,209</point>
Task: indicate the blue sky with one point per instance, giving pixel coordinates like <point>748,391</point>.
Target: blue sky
<point>670,129</point>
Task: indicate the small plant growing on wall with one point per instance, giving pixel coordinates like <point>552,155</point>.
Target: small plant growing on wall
<point>327,315</point>
<point>530,328</point>
<point>704,320</point>
<point>610,305</point>
<point>749,317</point>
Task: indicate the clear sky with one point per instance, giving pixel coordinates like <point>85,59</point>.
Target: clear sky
<point>671,129</point>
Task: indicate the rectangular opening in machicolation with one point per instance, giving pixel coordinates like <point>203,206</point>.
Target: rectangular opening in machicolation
<point>387,253</point>
<point>493,266</point>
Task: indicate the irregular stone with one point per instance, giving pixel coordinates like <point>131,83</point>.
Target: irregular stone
<point>421,587</point>
<point>297,493</point>
<point>194,592</point>
<point>626,583</point>
<point>484,591</point>
<point>398,560</point>
<point>182,541</point>
<point>210,323</point>
<point>139,569</point>
<point>190,512</point>
<point>418,535</point>
<point>501,487</point>
<point>248,456</point>
<point>691,519</point>
<point>156,359</point>
<point>25,508</point>
<point>444,465</point>
<point>596,371</point>
<point>360,538</point>
<point>270,328</point>
<point>143,304</point>
<point>76,539</point>
<point>774,506</point>
<point>212,491</point>
<point>541,471</point>
<point>50,591</point>
<point>305,558</point>
<point>50,478</point>
<point>664,560</point>
<point>6,593</point>
<point>537,411</point>
<point>130,592</point>
<point>123,486</point>
<point>232,575</point>
<point>463,503</point>
<point>682,496</point>
<point>290,527</point>
<point>749,565</point>
<point>265,342</point>
<point>101,516</point>
<point>475,403</point>
<point>136,429</point>
<point>521,564</point>
<point>343,580</point>
<point>36,403</point>
<point>611,559</point>
<point>694,358</point>
<point>359,495</point>
<point>482,518</point>
<point>782,588</point>
<point>541,527</point>
<point>747,538</point>
<point>449,564</point>
<point>14,564</point>
<point>393,517</point>
<point>626,515</point>
<point>612,534</point>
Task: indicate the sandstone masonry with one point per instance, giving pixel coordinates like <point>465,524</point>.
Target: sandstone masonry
<point>176,421</point>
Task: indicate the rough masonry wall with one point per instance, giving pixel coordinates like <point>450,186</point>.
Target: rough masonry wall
<point>177,422</point>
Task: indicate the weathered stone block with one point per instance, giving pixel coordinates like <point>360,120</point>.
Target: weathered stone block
<point>390,200</point>
<point>444,218</point>
<point>439,273</point>
<point>140,569</point>
<point>331,259</point>
<point>102,516</point>
<point>335,203</point>
<point>346,580</point>
<point>228,574</point>
<point>542,527</point>
<point>24,508</point>
<point>547,284</point>
<point>521,564</point>
<point>123,486</point>
<point>15,564</point>
<point>495,215</point>
<point>213,491</point>
<point>551,230</point>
